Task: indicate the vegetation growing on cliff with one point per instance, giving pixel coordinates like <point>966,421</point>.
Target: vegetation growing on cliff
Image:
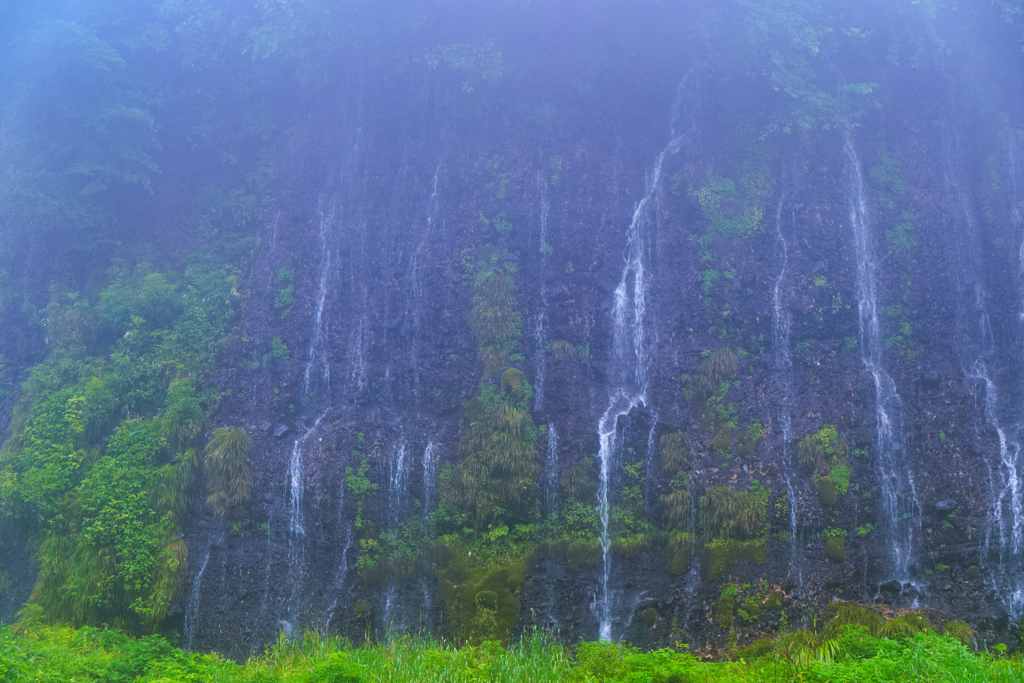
<point>101,464</point>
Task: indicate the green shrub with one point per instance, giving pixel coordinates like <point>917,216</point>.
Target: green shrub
<point>279,350</point>
<point>337,669</point>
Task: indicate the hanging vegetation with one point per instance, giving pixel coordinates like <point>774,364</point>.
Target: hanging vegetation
<point>228,478</point>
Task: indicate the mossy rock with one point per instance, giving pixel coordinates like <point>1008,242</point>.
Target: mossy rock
<point>723,440</point>
<point>753,551</point>
<point>721,553</point>
<point>582,555</point>
<point>758,648</point>
<point>826,490</point>
<point>973,571</point>
<point>649,616</point>
<point>631,547</point>
<point>678,554</point>
<point>724,613</point>
<point>488,599</point>
<point>835,548</point>
<point>512,382</point>
<point>773,601</point>
<point>375,575</point>
<point>746,446</point>
<point>472,412</point>
<point>752,605</point>
<point>362,607</point>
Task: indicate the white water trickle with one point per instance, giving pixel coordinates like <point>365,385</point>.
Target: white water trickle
<point>540,333</point>
<point>540,337</point>
<point>266,587</point>
<point>296,522</point>
<point>784,378</point>
<point>358,376</point>
<point>296,519</point>
<point>339,581</point>
<point>429,476</point>
<point>397,473</point>
<point>416,279</point>
<point>630,353</point>
<point>317,355</point>
<point>1005,475</point>
<point>192,611</point>
<point>551,471</point>
<point>899,500</point>
<point>651,464</point>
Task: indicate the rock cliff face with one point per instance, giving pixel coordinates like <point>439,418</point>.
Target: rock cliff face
<point>598,348</point>
<point>868,285</point>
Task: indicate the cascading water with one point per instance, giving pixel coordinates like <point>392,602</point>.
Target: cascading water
<point>394,614</point>
<point>297,521</point>
<point>899,500</point>
<point>783,376</point>
<point>540,334</point>
<point>551,471</point>
<point>429,476</point>
<point>317,355</point>
<point>192,611</point>
<point>629,363</point>
<point>1005,474</point>
<point>651,464</point>
<point>358,376</point>
<point>339,581</point>
<point>416,278</point>
<point>397,474</point>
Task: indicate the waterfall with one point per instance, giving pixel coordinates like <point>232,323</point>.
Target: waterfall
<point>629,362</point>
<point>297,520</point>
<point>192,611</point>
<point>429,476</point>
<point>540,334</point>
<point>339,581</point>
<point>296,523</point>
<point>551,471</point>
<point>783,377</point>
<point>397,473</point>
<point>651,465</point>
<point>416,279</point>
<point>1005,473</point>
<point>358,376</point>
<point>899,500</point>
<point>317,338</point>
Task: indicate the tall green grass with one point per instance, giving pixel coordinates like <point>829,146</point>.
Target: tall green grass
<point>52,654</point>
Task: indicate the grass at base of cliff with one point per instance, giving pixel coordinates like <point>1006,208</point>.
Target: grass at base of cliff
<point>41,654</point>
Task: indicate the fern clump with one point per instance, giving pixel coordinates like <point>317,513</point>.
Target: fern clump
<point>499,467</point>
<point>675,448</point>
<point>852,614</point>
<point>961,631</point>
<point>702,385</point>
<point>228,477</point>
<point>494,319</point>
<point>562,350</point>
<point>906,625</point>
<point>731,513</point>
<point>578,481</point>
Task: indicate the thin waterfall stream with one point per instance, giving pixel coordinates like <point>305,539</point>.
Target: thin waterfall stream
<point>540,334</point>
<point>630,358</point>
<point>900,507</point>
<point>783,376</point>
<point>1006,513</point>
